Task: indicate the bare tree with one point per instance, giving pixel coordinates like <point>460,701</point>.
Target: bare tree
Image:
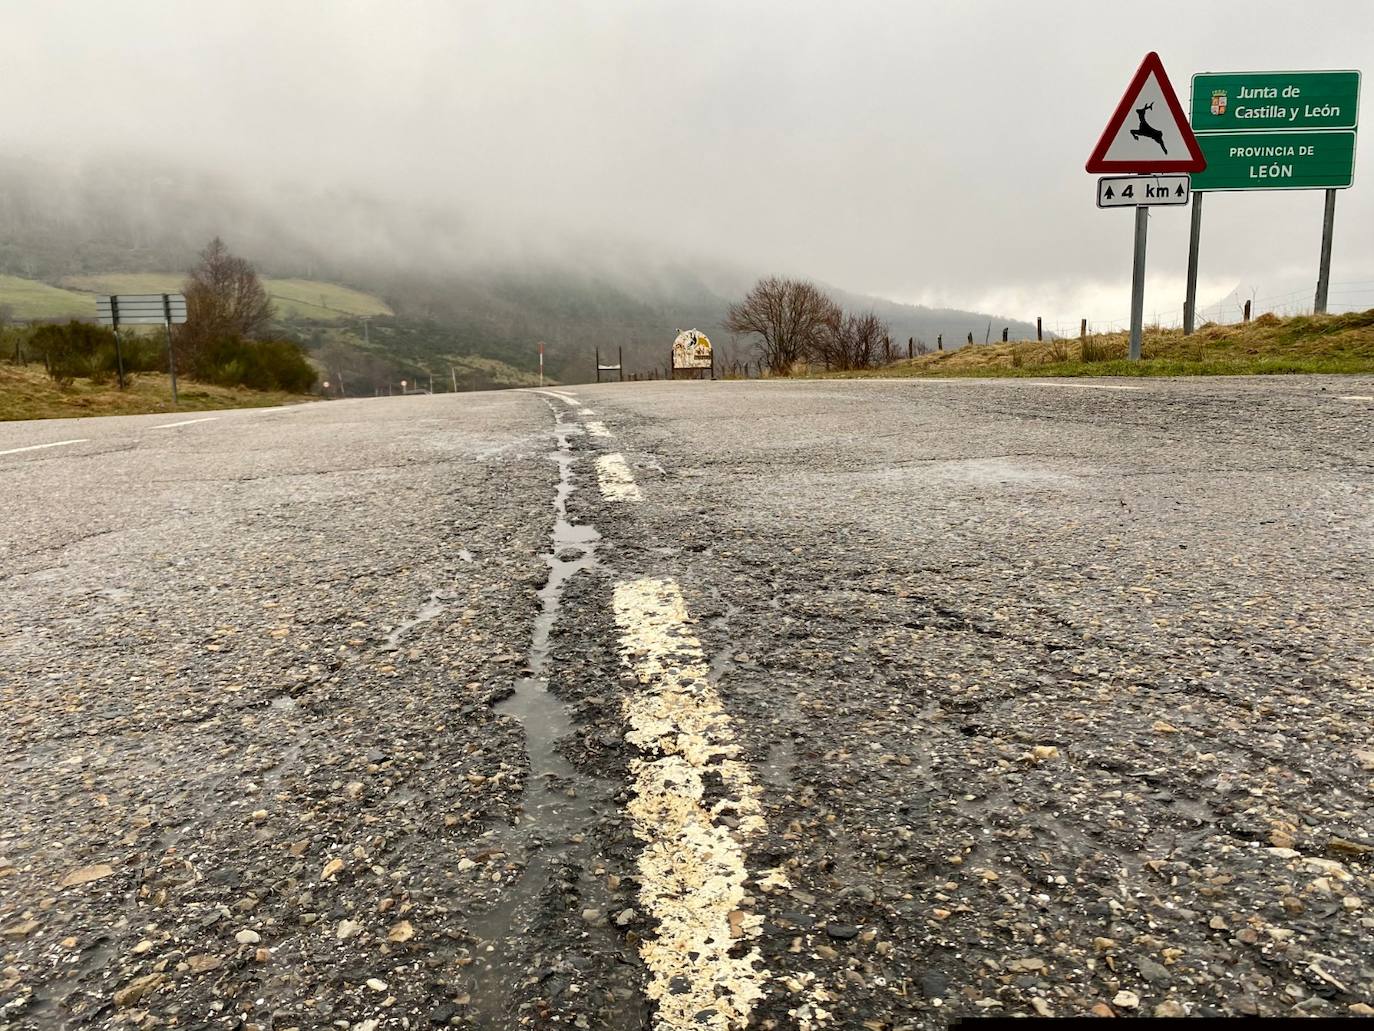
<point>224,298</point>
<point>791,318</point>
<point>852,341</point>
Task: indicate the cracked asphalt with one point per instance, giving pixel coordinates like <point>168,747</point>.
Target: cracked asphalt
<point>1056,700</point>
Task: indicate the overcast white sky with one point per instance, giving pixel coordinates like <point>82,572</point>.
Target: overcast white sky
<point>928,152</point>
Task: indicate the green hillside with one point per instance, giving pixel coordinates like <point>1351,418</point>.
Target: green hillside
<point>30,299</point>
<point>294,298</point>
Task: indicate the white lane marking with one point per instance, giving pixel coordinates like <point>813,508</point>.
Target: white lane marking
<point>598,429</point>
<point>585,411</point>
<point>185,422</point>
<point>1356,397</point>
<point>569,398</point>
<point>1079,386</point>
<point>39,447</point>
<point>614,478</point>
<point>692,873</point>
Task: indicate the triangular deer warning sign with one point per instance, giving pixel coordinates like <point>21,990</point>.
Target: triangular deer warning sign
<point>1148,132</point>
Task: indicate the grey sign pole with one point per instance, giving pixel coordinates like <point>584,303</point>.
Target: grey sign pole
<point>1142,225</point>
<point>171,358</point>
<point>119,353</point>
<point>1324,270</point>
<point>1194,238</point>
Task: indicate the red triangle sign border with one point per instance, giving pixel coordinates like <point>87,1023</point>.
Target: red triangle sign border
<point>1195,162</point>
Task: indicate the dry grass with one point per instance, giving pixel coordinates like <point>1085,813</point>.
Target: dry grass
<point>1268,344</point>
<point>27,392</point>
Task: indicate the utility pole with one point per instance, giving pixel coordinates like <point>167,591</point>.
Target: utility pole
<point>454,374</point>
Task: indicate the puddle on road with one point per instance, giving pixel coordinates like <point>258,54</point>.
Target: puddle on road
<point>560,808</point>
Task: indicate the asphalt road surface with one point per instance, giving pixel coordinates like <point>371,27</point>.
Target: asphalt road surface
<point>697,705</point>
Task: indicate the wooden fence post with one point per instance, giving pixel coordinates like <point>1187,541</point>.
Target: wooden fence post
<point>1004,334</point>
<point>1247,311</point>
<point>1038,334</point>
<point>1083,328</point>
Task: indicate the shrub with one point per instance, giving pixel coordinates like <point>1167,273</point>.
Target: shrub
<point>72,350</point>
<point>256,364</point>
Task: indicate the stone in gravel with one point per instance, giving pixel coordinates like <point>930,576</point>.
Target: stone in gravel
<point>400,932</point>
<point>842,932</point>
<point>1150,970</point>
<point>443,1015</point>
<point>626,916</point>
<point>376,984</point>
<point>331,868</point>
<point>1101,1009</point>
<point>86,874</point>
<point>465,864</point>
<point>591,916</point>
<point>1170,1008</point>
<point>247,937</point>
<point>202,963</point>
<point>934,985</point>
<point>1362,1009</point>
<point>1126,1000</point>
<point>138,988</point>
<point>348,929</point>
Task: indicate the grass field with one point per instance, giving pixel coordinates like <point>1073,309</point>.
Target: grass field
<point>1267,345</point>
<point>30,299</point>
<point>27,392</point>
<point>294,298</point>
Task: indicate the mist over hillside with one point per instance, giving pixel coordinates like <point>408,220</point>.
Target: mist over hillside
<point>459,287</point>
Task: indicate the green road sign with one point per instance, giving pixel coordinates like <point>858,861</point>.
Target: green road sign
<point>1276,161</point>
<point>1258,101</point>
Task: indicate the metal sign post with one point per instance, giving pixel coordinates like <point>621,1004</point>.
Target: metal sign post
<point>1142,226</point>
<point>1324,265</point>
<point>171,358</point>
<point>1148,133</point>
<point>1194,238</point>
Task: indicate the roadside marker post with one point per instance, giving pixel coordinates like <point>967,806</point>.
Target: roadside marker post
<point>1274,130</point>
<point>541,363</point>
<point>1157,145</point>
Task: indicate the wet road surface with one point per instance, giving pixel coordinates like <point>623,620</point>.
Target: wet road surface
<point>790,705</point>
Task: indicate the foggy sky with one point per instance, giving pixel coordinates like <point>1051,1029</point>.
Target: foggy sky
<point>925,152</point>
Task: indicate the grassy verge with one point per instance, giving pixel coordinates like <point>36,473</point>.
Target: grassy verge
<point>27,392</point>
<point>1266,346</point>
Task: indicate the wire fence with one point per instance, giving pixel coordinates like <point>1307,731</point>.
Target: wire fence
<point>1346,296</point>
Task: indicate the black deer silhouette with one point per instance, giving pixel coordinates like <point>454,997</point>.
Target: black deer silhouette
<point>1146,129</point>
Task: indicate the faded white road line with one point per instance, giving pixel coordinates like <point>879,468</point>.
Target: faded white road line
<point>569,398</point>
<point>1356,397</point>
<point>692,873</point>
<point>184,422</point>
<point>614,478</point>
<point>598,429</point>
<point>1079,386</point>
<point>39,447</point>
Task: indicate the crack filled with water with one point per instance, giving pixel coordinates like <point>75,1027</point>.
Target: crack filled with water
<point>561,806</point>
